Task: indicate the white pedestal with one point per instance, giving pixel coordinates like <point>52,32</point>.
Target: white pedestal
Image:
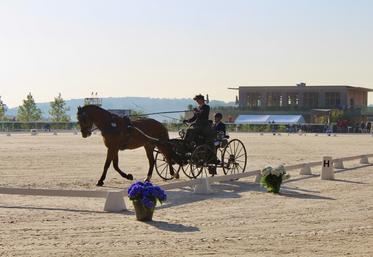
<point>203,187</point>
<point>257,178</point>
<point>305,170</point>
<point>364,160</point>
<point>338,164</point>
<point>115,202</point>
<point>327,169</point>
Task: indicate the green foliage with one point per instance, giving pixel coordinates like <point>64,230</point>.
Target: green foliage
<point>2,110</point>
<point>137,114</point>
<point>29,111</point>
<point>58,110</point>
<point>272,183</point>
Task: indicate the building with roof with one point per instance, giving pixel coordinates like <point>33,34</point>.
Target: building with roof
<point>315,103</point>
<point>302,96</point>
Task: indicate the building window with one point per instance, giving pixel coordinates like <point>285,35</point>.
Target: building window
<point>293,99</point>
<point>311,99</point>
<point>274,100</point>
<point>333,99</point>
<point>254,100</point>
<point>352,103</point>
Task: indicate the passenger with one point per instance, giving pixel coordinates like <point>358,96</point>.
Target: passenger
<point>219,126</point>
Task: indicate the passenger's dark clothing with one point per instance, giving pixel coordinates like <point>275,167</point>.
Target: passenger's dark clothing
<point>219,127</point>
<point>201,116</point>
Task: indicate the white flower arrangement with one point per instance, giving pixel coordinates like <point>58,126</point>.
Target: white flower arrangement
<point>278,171</point>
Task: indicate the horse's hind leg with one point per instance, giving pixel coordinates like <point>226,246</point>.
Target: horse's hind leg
<point>116,167</point>
<point>149,153</point>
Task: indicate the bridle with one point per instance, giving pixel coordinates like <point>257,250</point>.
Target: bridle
<point>82,116</point>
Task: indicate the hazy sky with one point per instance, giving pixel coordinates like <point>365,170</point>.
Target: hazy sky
<point>175,49</point>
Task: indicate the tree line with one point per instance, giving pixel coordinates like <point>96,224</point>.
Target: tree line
<point>29,111</point>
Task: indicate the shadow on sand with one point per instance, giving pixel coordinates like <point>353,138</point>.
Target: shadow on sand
<point>167,226</point>
<point>63,209</point>
<point>222,190</point>
<point>290,192</point>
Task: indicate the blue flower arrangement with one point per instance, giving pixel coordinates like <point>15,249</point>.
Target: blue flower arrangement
<point>147,194</point>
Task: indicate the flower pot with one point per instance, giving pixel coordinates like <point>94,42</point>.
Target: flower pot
<point>142,213</point>
<point>273,183</point>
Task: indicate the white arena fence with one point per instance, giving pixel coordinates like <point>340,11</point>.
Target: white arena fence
<point>115,199</point>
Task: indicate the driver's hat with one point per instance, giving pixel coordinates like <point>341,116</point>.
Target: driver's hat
<point>201,97</point>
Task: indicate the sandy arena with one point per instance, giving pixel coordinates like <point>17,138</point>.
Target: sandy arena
<point>311,217</point>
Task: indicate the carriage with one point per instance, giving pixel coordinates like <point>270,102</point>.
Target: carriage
<point>198,158</point>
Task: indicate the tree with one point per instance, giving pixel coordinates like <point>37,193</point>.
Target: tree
<point>29,111</point>
<point>58,110</point>
<point>137,114</point>
<point>2,109</point>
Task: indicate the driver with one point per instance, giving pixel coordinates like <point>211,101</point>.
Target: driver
<point>200,121</point>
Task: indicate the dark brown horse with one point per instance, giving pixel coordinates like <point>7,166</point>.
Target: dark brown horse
<point>122,133</point>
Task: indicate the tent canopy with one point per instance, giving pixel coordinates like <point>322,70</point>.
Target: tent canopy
<point>265,119</point>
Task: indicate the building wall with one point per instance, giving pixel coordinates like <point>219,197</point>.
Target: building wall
<point>357,98</point>
<point>334,97</point>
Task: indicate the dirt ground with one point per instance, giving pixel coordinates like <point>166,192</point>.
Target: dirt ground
<point>310,217</point>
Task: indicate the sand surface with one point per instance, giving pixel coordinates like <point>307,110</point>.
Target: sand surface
<point>309,218</point>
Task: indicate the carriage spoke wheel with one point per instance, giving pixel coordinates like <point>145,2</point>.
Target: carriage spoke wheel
<point>191,171</point>
<point>162,167</point>
<point>234,157</point>
<point>202,157</point>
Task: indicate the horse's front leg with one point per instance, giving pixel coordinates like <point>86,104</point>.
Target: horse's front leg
<point>149,153</point>
<point>109,158</point>
<point>116,167</point>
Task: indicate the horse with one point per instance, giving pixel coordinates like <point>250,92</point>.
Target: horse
<point>122,133</point>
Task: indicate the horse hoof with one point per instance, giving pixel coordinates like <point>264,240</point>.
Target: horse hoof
<point>129,177</point>
<point>177,176</point>
<point>100,184</point>
<point>147,179</point>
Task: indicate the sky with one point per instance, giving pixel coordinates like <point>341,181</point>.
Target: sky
<point>176,49</point>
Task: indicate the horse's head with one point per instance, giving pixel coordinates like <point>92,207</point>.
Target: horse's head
<point>85,122</point>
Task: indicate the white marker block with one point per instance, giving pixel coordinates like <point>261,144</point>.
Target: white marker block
<point>327,169</point>
<point>257,178</point>
<point>115,202</point>
<point>338,164</point>
<point>305,170</point>
<point>203,187</point>
<point>364,160</point>
<point>33,132</point>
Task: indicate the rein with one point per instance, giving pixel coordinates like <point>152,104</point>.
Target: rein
<point>145,135</point>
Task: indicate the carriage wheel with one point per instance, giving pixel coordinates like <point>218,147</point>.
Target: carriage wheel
<point>201,158</point>
<point>162,167</point>
<point>234,157</point>
<point>191,171</point>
